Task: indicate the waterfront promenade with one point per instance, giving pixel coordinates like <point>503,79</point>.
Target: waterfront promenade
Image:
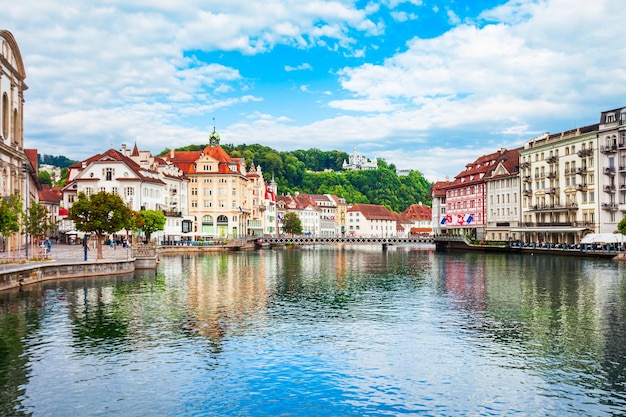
<point>63,261</point>
<point>62,253</point>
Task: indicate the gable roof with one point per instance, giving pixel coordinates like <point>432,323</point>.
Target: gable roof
<point>142,174</point>
<point>373,212</point>
<point>418,212</point>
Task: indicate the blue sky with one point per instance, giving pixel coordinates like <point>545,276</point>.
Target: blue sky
<point>425,84</point>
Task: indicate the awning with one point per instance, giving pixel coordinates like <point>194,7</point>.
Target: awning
<point>604,238</point>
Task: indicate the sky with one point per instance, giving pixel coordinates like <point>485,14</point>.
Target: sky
<point>428,85</point>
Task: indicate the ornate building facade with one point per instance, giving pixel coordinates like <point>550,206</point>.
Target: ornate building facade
<point>18,169</point>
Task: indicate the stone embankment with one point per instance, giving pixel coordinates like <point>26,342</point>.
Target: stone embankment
<point>68,261</point>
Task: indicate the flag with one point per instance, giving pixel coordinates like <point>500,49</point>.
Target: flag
<point>240,209</point>
<point>279,217</point>
<point>457,220</point>
<point>269,194</point>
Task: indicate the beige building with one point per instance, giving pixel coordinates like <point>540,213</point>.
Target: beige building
<point>560,186</point>
<point>18,170</point>
<point>225,201</point>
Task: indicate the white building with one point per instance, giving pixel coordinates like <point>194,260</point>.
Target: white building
<point>503,194</point>
<point>560,185</point>
<point>612,169</point>
<point>370,220</point>
<point>359,162</point>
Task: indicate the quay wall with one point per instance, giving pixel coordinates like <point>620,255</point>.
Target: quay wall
<point>28,274</point>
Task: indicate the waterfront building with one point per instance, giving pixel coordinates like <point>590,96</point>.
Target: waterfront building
<point>612,169</point>
<point>269,208</point>
<point>18,166</point>
<point>466,196</point>
<point>560,186</point>
<point>438,201</point>
<point>221,198</point>
<point>113,172</point>
<point>370,220</point>
<point>317,212</point>
<point>341,215</point>
<point>503,192</point>
<point>173,204</point>
<point>419,217</point>
<point>359,162</point>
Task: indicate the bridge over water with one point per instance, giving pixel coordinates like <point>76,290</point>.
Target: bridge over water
<point>316,240</point>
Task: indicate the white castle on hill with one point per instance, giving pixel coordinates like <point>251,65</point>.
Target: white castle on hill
<point>360,162</point>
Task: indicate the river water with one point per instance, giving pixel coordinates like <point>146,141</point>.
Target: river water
<point>324,331</point>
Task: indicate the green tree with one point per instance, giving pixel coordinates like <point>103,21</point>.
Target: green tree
<point>37,222</point>
<point>10,215</point>
<point>292,224</point>
<point>152,221</point>
<point>101,213</point>
<point>621,226</point>
<point>63,178</point>
<point>45,178</point>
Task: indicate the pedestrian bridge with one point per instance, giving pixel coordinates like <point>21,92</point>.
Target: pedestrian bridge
<point>311,240</point>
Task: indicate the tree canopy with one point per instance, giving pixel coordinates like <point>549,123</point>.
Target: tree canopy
<point>292,224</point>
<point>152,221</point>
<point>101,213</point>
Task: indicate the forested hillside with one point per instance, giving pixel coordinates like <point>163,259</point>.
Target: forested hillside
<point>317,172</point>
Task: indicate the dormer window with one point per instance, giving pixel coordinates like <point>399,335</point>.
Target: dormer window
<point>610,118</point>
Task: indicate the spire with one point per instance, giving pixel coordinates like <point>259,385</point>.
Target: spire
<point>135,150</point>
<point>214,138</point>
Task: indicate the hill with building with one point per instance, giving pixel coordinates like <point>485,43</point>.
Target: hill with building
<point>314,171</point>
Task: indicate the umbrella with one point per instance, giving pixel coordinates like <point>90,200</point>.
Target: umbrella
<point>604,238</point>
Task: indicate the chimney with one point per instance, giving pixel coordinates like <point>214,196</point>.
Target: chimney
<point>172,154</point>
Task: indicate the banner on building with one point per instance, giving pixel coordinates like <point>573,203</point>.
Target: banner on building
<point>457,219</point>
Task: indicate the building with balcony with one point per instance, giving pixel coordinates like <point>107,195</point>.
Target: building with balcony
<point>224,200</point>
<point>559,175</point>
<point>612,173</point>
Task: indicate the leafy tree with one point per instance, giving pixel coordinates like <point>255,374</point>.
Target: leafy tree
<point>621,226</point>
<point>57,161</point>
<point>292,224</point>
<point>38,222</point>
<point>10,214</point>
<point>152,221</point>
<point>101,213</point>
<point>63,178</point>
<point>45,178</point>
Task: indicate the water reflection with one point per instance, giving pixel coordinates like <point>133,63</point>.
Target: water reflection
<point>322,331</point>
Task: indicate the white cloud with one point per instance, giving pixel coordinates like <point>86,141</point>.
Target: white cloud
<point>301,67</point>
<point>133,71</point>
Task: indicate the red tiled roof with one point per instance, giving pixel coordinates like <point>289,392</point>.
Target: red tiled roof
<point>418,212</point>
<point>373,212</point>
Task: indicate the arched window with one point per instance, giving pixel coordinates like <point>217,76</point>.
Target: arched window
<point>16,128</point>
<point>207,225</point>
<point>5,115</point>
